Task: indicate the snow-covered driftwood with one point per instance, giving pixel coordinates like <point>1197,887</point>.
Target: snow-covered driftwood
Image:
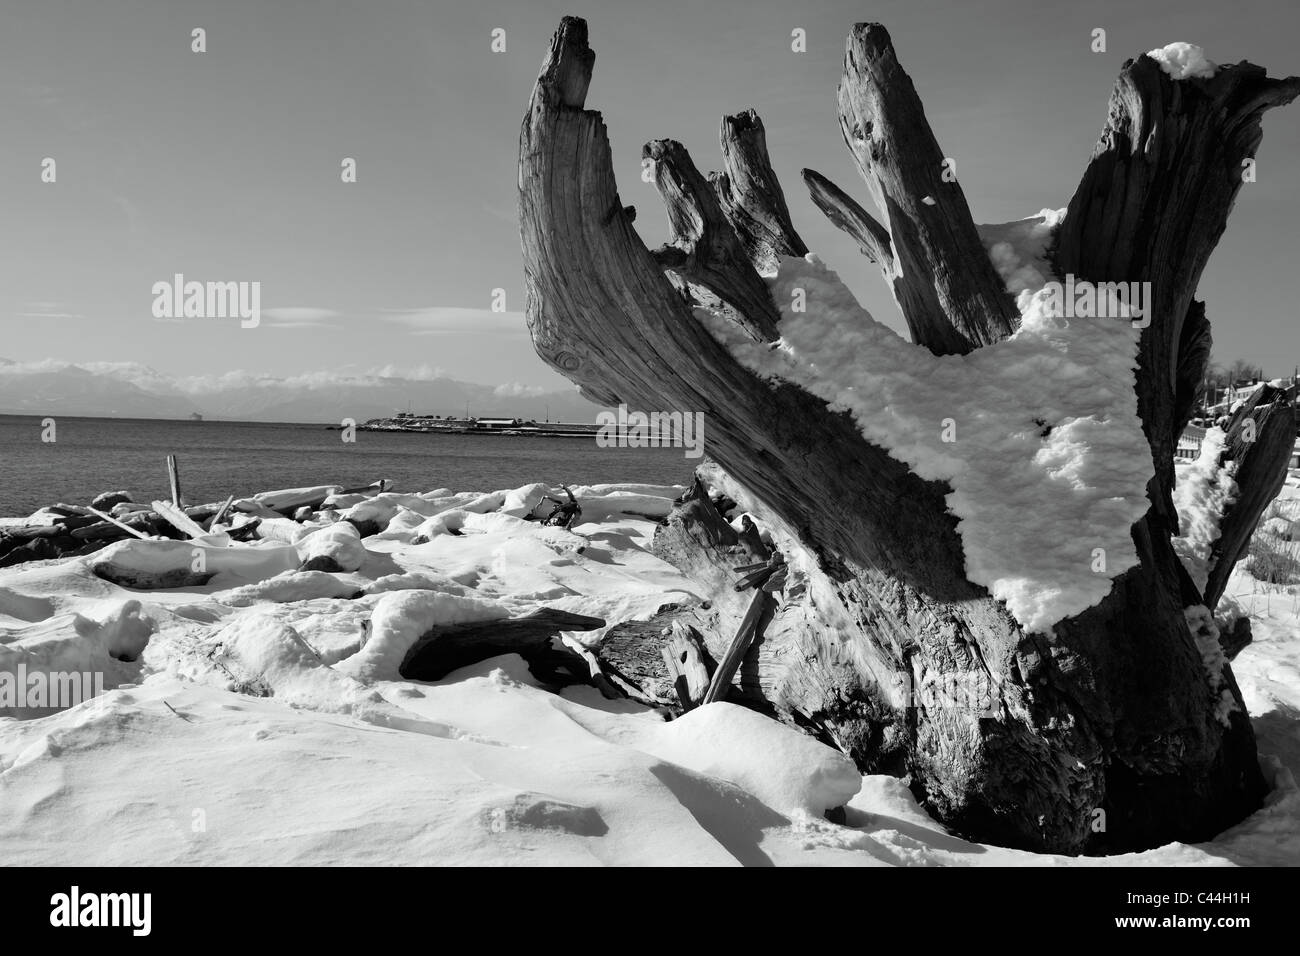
<point>1108,709</point>
<point>445,648</point>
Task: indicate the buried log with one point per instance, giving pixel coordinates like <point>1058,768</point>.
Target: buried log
<point>446,648</point>
<point>632,654</point>
<point>1108,709</point>
<point>688,665</point>
<point>697,539</point>
<point>14,550</point>
<point>84,529</point>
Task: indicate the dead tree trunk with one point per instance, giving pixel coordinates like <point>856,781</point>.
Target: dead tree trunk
<point>1112,710</point>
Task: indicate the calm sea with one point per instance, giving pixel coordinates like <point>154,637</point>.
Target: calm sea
<point>91,455</point>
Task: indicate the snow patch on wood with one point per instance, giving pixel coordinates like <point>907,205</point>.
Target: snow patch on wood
<point>1184,60</point>
<point>1043,423</point>
<point>1203,491</point>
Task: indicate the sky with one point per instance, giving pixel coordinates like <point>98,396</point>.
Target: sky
<point>225,165</point>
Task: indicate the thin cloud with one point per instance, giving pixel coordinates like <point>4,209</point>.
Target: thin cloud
<point>454,320</point>
<point>300,317</point>
<point>44,309</point>
<point>518,390</point>
<point>302,325</point>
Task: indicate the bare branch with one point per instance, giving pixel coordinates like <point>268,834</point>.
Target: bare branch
<point>751,195</point>
<point>949,292</point>
<point>845,214</point>
<point>704,249</point>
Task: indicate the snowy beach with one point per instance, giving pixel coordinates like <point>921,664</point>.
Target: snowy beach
<point>458,448</point>
<point>260,718</point>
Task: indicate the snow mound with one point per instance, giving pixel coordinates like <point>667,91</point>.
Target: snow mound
<point>148,564</point>
<point>1043,423</point>
<point>102,645</point>
<point>787,770</point>
<point>289,498</point>
<point>1018,250</point>
<point>335,547</point>
<point>401,618</point>
<point>289,586</point>
<point>1183,61</point>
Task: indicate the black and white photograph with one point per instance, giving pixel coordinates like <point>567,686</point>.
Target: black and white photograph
<point>654,434</point>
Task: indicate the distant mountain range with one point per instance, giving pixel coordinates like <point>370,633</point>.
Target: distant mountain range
<point>131,390</point>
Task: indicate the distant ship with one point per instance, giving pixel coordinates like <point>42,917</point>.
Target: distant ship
<point>196,417</point>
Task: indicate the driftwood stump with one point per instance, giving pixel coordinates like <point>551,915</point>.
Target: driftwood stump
<point>1107,718</point>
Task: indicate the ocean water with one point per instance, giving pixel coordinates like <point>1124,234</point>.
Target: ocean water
<point>92,455</point>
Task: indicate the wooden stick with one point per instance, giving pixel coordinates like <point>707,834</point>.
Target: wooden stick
<point>178,713</point>
<point>111,520</point>
<point>179,520</point>
<point>174,474</point>
<point>721,682</point>
<point>31,531</point>
<point>221,512</point>
<point>755,578</point>
<point>373,486</point>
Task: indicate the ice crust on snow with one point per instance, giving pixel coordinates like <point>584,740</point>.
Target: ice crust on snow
<point>1045,423</point>
<point>1183,61</point>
